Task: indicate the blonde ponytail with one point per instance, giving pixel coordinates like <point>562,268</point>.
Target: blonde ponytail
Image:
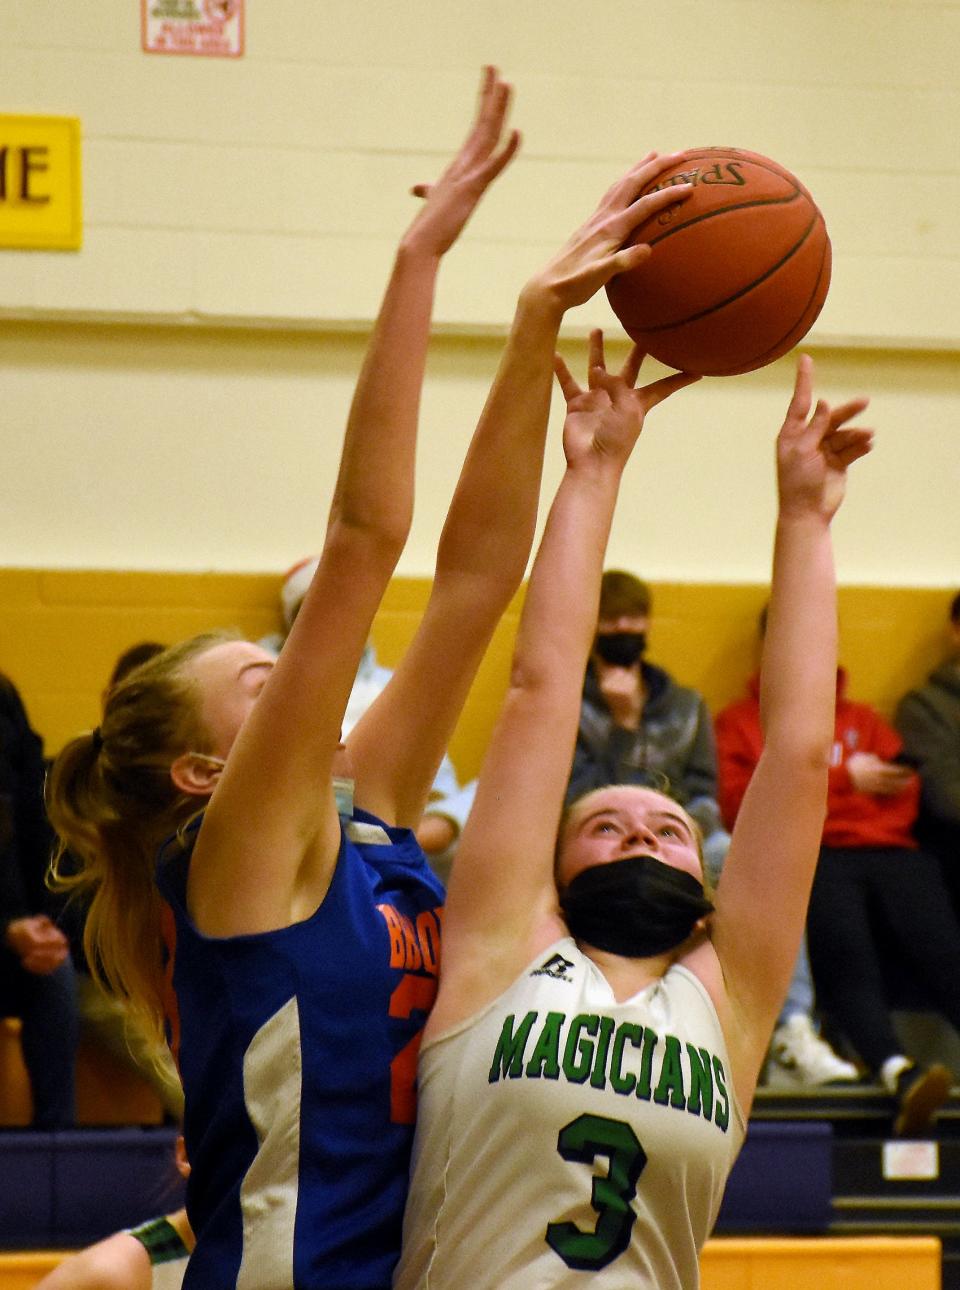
<point>112,802</point>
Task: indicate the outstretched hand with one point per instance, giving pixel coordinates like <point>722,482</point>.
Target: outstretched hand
<point>593,254</point>
<point>605,419</point>
<point>484,154</point>
<point>814,451</point>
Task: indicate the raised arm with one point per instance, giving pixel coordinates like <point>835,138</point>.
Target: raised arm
<point>502,903</point>
<point>271,835</point>
<point>489,529</point>
<point>762,899</point>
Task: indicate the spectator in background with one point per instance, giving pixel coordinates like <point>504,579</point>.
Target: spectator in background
<point>874,890</point>
<point>637,726</point>
<point>36,975</point>
<point>105,1019</point>
<point>450,802</point>
<point>928,719</point>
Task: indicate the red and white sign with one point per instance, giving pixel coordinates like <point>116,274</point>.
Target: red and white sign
<point>209,28</point>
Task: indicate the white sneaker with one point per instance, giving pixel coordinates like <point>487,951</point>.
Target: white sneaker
<point>800,1058</point>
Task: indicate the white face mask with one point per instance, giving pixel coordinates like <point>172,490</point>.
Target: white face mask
<point>342,786</point>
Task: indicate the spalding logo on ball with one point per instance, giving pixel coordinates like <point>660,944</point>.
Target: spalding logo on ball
<point>739,271</point>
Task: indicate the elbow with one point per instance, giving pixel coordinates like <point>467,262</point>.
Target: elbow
<point>378,540</point>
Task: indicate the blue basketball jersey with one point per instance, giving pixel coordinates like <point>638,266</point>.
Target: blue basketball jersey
<point>298,1051</point>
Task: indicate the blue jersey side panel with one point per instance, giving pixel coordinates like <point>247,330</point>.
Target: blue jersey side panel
<point>298,1055</point>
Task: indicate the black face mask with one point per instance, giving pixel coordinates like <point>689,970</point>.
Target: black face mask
<point>622,649</point>
<point>637,907</point>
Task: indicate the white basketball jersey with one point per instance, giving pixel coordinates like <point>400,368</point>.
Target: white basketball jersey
<point>567,1140</point>
<point>169,1276</point>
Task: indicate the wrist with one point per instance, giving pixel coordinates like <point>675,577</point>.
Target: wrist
<point>800,516</point>
<point>597,469</point>
<point>538,304</point>
<point>414,252</point>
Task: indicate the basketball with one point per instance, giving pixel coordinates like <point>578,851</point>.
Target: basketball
<point>739,270</point>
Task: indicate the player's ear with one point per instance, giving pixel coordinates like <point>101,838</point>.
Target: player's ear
<point>196,774</point>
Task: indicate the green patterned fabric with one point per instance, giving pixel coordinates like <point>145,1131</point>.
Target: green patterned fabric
<point>161,1240</point>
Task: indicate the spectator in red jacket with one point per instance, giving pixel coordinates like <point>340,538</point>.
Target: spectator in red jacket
<point>873,887</point>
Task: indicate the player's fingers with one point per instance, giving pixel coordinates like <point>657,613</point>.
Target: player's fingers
<point>800,401</point>
<point>498,162</point>
<point>626,190</point>
<point>852,408</point>
<point>568,385</point>
<point>631,257</point>
<point>620,192</point>
<point>657,391</point>
<point>819,424</point>
<point>648,205</point>
<point>595,356</point>
<point>495,97</point>
<point>849,444</point>
<point>631,367</point>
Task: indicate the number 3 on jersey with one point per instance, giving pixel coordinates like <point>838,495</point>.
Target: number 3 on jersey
<point>583,1139</point>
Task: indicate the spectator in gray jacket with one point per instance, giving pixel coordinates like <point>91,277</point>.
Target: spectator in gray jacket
<point>638,726</point>
<point>928,719</point>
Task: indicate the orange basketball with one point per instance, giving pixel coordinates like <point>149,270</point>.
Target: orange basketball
<point>739,271</point>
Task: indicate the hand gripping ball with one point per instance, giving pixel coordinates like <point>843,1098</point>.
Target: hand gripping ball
<point>738,273</point>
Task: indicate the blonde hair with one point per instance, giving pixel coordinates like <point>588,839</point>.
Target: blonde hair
<point>112,802</point>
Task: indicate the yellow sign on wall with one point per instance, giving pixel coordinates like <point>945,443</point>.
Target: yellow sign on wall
<point>40,182</point>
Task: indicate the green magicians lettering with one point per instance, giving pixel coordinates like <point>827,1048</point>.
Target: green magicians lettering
<point>721,1117</point>
<point>701,1083</point>
<point>670,1087</point>
<point>625,1031</point>
<point>650,1042</point>
<point>598,1078</point>
<point>508,1058</point>
<point>578,1053</point>
<point>545,1058</point>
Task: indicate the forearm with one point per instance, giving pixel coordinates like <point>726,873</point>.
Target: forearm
<point>798,676</point>
<point>559,615</point>
<point>490,525</point>
<point>374,486</point>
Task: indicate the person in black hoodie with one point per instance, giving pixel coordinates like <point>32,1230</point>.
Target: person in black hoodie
<point>36,976</point>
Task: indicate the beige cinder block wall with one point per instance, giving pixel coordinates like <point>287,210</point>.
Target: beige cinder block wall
<point>174,392</point>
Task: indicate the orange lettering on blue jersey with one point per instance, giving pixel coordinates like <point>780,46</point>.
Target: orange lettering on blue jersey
<point>392,919</point>
<point>428,933</point>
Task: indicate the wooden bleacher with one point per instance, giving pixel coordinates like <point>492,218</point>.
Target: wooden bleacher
<point>108,1093</point>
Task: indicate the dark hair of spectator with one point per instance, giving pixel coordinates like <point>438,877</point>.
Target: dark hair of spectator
<point>622,595</point>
